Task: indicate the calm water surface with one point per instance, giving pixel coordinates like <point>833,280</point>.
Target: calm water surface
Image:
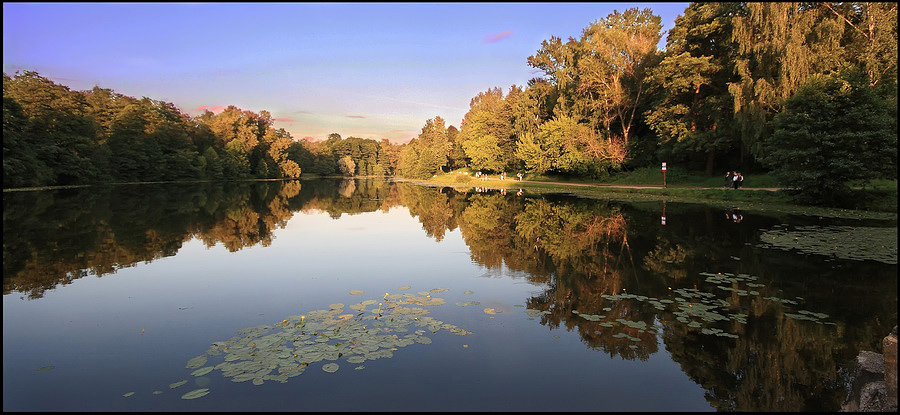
<point>533,303</point>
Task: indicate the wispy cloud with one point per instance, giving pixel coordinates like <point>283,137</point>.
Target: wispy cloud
<point>494,38</point>
<point>284,119</point>
<point>356,116</point>
<point>214,108</point>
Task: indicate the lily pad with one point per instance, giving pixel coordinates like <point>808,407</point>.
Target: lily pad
<point>46,368</point>
<point>196,362</point>
<point>128,394</point>
<point>177,384</point>
<point>405,287</point>
<point>468,292</point>
<point>467,303</point>
<point>490,311</point>
<point>196,393</point>
<point>202,371</point>
<point>355,292</point>
<point>330,367</point>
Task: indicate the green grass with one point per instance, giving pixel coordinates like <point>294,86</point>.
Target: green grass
<point>882,203</point>
<point>679,177</point>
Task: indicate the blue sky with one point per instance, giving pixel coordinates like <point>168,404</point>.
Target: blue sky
<point>371,70</point>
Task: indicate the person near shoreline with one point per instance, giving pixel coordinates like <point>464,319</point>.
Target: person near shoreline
<point>737,180</point>
<point>729,179</point>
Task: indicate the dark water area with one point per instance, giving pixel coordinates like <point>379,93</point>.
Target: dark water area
<point>429,299</point>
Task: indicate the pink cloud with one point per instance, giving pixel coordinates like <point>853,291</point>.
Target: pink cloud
<point>200,108</point>
<point>355,116</point>
<point>284,119</point>
<point>215,108</point>
<point>308,138</point>
<point>494,38</point>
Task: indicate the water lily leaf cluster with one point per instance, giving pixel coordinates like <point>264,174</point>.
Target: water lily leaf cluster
<point>698,309</point>
<point>373,329</point>
<point>843,242</point>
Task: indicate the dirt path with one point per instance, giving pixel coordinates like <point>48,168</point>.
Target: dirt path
<point>630,186</point>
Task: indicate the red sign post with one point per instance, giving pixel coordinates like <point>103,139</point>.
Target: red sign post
<point>664,175</point>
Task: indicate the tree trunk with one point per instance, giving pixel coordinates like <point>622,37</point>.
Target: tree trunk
<point>710,162</point>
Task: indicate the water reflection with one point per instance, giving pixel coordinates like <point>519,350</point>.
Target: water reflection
<point>586,254</point>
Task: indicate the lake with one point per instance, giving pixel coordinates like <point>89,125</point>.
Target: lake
<point>371,295</point>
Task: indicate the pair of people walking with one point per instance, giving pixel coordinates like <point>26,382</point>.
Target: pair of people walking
<point>734,179</point>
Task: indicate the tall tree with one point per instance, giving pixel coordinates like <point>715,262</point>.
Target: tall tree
<point>780,46</point>
<point>693,112</point>
<point>616,53</point>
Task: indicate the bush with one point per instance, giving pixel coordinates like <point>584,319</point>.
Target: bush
<point>462,178</point>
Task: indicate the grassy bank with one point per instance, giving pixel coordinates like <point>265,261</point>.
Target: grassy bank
<point>634,187</point>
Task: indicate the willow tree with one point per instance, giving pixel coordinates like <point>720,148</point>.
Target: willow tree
<point>780,47</point>
<point>871,37</point>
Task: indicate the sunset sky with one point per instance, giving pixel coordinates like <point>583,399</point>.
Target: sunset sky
<point>368,70</point>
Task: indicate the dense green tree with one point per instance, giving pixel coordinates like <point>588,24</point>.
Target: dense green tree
<point>428,153</point>
<point>834,130</point>
<point>21,165</point>
<point>560,146</point>
<point>693,112</point>
<point>59,126</point>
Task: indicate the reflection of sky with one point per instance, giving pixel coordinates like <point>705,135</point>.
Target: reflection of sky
<point>90,330</point>
<point>367,70</point>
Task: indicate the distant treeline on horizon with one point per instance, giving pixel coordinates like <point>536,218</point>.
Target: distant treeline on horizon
<point>796,89</point>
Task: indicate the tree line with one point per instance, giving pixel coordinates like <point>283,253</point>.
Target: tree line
<point>56,136</point>
<point>806,91</point>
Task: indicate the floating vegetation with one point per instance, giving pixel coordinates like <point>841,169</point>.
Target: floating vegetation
<point>46,368</point>
<point>405,287</point>
<point>157,392</point>
<point>196,362</point>
<point>468,292</point>
<point>197,393</point>
<point>439,290</point>
<point>280,351</point>
<point>355,292</point>
<point>467,303</point>
<point>491,311</point>
<point>535,313</point>
<point>700,310</point>
<point>843,242</point>
<point>128,394</point>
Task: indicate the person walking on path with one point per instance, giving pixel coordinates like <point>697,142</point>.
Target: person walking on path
<point>729,178</point>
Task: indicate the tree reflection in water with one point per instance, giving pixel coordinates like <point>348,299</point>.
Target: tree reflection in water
<point>578,250</point>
